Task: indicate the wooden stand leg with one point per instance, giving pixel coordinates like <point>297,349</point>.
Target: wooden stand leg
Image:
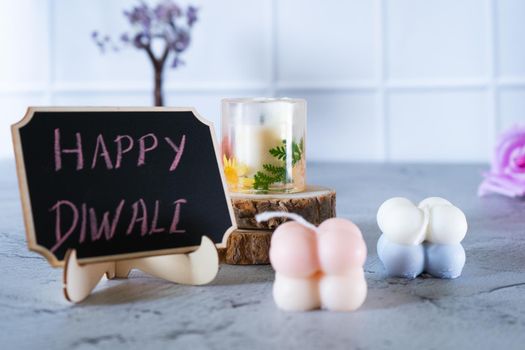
<point>196,268</point>
<point>79,280</point>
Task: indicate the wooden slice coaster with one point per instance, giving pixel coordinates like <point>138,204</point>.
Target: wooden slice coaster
<point>247,247</point>
<point>250,243</point>
<point>315,204</point>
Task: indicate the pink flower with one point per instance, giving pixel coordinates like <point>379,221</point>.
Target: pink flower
<point>507,173</point>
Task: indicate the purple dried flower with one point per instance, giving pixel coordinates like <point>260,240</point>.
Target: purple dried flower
<point>160,22</point>
<point>181,42</point>
<point>176,62</point>
<point>166,23</point>
<point>101,47</point>
<point>191,15</point>
<point>140,15</point>
<point>141,40</point>
<point>100,42</point>
<point>167,11</point>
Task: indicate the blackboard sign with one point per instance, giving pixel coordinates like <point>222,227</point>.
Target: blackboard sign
<point>118,183</point>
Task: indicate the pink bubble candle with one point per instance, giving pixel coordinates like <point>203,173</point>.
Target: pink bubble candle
<point>317,267</point>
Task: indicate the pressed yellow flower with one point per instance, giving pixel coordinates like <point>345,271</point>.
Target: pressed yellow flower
<point>233,170</point>
<point>247,182</point>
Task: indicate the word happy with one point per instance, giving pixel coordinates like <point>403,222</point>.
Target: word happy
<point>124,144</point>
<point>83,223</point>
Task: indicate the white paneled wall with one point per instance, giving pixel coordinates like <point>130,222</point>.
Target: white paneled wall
<point>395,80</point>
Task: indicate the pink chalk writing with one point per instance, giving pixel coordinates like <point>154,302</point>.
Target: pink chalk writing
<point>104,228</point>
<point>154,228</point>
<point>120,150</point>
<point>83,218</point>
<point>143,149</point>
<point>112,156</point>
<point>178,151</point>
<point>176,216</point>
<point>61,237</point>
<point>82,223</point>
<point>58,151</point>
<point>101,147</point>
<point>143,218</point>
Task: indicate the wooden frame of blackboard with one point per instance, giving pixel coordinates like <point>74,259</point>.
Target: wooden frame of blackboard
<point>26,201</point>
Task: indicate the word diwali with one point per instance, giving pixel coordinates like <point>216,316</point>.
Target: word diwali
<point>83,220</point>
<point>83,223</point>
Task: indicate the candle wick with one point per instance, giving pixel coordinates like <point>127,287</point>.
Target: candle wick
<point>279,214</point>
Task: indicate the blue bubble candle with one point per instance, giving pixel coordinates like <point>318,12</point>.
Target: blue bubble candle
<point>424,238</point>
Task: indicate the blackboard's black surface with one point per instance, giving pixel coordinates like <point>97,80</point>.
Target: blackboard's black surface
<point>196,179</point>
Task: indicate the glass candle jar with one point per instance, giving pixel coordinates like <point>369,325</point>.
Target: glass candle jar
<point>263,144</point>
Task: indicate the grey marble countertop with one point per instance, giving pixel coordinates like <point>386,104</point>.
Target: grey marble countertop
<point>483,309</point>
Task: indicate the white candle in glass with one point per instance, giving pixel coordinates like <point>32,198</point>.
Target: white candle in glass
<point>251,127</point>
<point>252,144</point>
<point>254,138</point>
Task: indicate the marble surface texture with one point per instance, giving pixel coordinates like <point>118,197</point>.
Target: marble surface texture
<point>483,309</point>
